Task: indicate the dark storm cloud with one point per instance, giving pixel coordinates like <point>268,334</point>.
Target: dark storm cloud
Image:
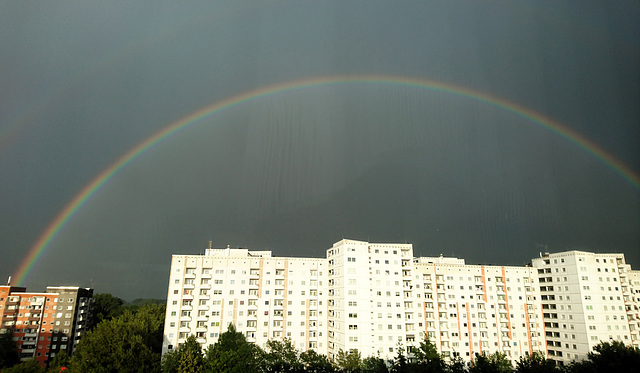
<point>82,83</point>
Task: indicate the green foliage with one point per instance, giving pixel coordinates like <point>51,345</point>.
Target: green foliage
<point>427,358</point>
<point>494,363</point>
<point>536,363</point>
<point>316,363</point>
<point>232,353</point>
<point>613,356</point>
<point>191,360</point>
<point>400,363</point>
<point>141,303</point>
<point>583,366</point>
<point>29,366</point>
<point>170,361</point>
<point>281,356</point>
<point>60,360</point>
<point>457,365</point>
<point>8,351</point>
<point>374,364</point>
<point>105,307</point>
<point>349,362</point>
<point>131,342</point>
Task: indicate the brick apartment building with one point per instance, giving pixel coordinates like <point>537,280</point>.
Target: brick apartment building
<point>44,324</point>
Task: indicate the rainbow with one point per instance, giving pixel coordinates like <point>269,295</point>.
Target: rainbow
<point>63,217</point>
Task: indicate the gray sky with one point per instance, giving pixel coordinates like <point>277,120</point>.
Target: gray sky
<point>81,83</point>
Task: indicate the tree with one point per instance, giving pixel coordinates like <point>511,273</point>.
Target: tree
<point>316,363</point>
<point>131,342</point>
<point>232,353</point>
<point>494,363</point>
<point>349,362</point>
<point>8,350</point>
<point>29,366</point>
<point>105,307</point>
<point>400,363</point>
<point>457,365</point>
<point>374,364</point>
<point>170,361</point>
<point>536,363</point>
<point>60,360</point>
<point>427,357</point>
<point>613,356</point>
<point>191,360</point>
<point>281,356</point>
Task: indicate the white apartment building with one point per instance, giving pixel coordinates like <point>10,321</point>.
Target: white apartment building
<point>376,298</point>
<point>371,302</point>
<point>587,298</point>
<point>381,297</point>
<point>264,297</point>
<point>468,309</point>
<point>370,297</point>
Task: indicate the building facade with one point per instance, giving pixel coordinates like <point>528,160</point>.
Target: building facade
<point>376,298</point>
<point>382,298</point>
<point>264,297</point>
<point>44,324</point>
<point>587,298</point>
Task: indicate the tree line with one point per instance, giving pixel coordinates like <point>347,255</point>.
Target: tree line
<point>129,339</point>
<point>233,354</point>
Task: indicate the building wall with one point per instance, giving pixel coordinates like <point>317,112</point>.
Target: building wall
<point>44,323</point>
<point>631,293</point>
<point>586,299</point>
<point>376,298</point>
<point>468,309</point>
<point>264,297</point>
<point>370,298</point>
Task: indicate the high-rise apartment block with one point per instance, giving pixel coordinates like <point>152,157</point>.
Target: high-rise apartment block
<point>381,297</point>
<point>376,298</point>
<point>587,298</point>
<point>43,324</point>
<point>264,297</point>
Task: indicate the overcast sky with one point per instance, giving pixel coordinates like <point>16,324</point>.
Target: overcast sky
<point>83,82</point>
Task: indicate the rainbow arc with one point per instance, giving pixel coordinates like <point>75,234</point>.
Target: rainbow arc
<point>85,194</point>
